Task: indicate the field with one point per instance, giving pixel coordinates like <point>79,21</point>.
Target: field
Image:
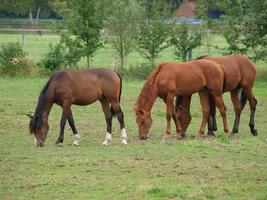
<point>208,168</point>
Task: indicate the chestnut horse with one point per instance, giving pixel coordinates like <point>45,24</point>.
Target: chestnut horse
<point>173,79</point>
<point>240,73</point>
<point>81,88</point>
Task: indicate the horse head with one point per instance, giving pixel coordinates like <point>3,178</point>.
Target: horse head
<point>144,121</point>
<point>38,126</point>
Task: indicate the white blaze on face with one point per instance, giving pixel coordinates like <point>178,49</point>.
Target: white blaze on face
<point>123,137</point>
<point>108,139</point>
<point>76,140</point>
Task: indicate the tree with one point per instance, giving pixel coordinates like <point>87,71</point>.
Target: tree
<point>122,26</point>
<point>244,25</point>
<point>154,30</point>
<point>185,41</point>
<point>84,20</point>
<point>24,7</point>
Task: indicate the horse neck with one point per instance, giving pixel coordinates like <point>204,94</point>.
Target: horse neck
<point>46,111</point>
<point>147,99</point>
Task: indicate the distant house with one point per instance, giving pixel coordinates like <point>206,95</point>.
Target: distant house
<point>187,9</point>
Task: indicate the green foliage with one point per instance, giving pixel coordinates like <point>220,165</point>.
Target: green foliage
<point>184,41</point>
<point>122,26</point>
<point>139,71</point>
<point>244,26</point>
<point>154,32</point>
<point>54,59</point>
<point>13,59</point>
<point>84,20</point>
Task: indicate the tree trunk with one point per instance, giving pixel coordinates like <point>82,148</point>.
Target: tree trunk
<point>88,61</point>
<point>38,14</point>
<point>121,56</point>
<point>184,56</point>
<point>190,54</point>
<point>30,15</point>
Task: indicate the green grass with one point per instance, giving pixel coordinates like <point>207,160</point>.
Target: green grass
<point>210,168</point>
<point>37,47</point>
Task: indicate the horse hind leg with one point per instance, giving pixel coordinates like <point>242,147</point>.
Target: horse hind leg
<point>252,104</point>
<point>204,101</point>
<point>238,107</point>
<point>108,116</point>
<point>64,116</point>
<point>76,136</point>
<point>222,108</point>
<point>116,108</point>
<point>212,125</point>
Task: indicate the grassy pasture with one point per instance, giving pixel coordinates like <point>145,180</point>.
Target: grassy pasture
<point>210,168</point>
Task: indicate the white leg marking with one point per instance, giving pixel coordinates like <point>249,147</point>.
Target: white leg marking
<point>124,137</point>
<point>35,140</point>
<point>108,139</point>
<point>76,140</point>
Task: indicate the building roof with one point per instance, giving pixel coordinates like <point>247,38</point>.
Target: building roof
<point>187,9</point>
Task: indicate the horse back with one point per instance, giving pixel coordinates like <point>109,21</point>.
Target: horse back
<point>238,70</point>
<point>84,87</point>
<point>186,78</point>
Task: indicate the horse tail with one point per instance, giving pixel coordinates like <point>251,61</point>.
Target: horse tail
<point>243,99</point>
<point>36,121</point>
<point>120,87</point>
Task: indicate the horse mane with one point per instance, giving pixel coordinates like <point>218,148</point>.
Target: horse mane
<point>147,90</point>
<point>201,57</point>
<point>36,121</point>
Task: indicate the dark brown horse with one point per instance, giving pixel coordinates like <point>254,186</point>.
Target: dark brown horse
<point>240,73</point>
<point>81,88</point>
<point>173,79</point>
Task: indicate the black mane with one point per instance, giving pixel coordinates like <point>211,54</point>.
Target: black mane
<point>201,57</point>
<point>36,121</point>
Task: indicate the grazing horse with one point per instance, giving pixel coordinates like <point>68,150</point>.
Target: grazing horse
<point>240,73</point>
<point>81,88</point>
<point>173,79</point>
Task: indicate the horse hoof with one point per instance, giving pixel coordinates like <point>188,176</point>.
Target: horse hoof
<point>199,136</point>
<point>75,144</point>
<point>124,142</point>
<point>59,144</point>
<point>179,137</point>
<point>166,137</point>
<point>255,132</point>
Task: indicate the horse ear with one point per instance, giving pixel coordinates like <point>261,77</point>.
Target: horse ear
<point>29,115</point>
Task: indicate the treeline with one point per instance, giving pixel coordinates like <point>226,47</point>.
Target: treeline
<point>148,26</point>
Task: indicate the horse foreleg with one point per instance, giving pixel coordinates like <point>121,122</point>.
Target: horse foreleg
<point>117,109</point>
<point>205,106</point>
<point>237,108</point>
<point>76,136</point>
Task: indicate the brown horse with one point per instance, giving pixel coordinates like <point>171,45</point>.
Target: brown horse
<point>240,73</point>
<point>81,88</point>
<point>180,79</point>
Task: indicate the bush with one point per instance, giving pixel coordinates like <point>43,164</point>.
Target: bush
<point>13,59</point>
<point>140,71</point>
<point>54,59</point>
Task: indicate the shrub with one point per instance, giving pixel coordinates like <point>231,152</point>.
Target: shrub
<point>140,71</point>
<point>54,59</point>
<point>13,59</point>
